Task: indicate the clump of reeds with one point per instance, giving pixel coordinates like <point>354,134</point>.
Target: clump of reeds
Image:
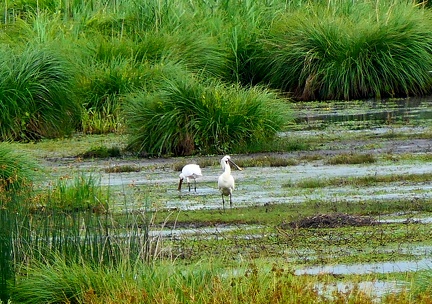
<point>348,50</point>
<point>36,94</point>
<point>17,174</point>
<point>188,116</point>
<point>71,194</point>
<point>101,152</point>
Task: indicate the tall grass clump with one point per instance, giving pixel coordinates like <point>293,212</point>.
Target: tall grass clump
<point>349,50</point>
<point>79,193</point>
<point>239,25</point>
<point>63,226</point>
<point>17,174</point>
<point>37,95</point>
<point>101,89</point>
<point>188,116</point>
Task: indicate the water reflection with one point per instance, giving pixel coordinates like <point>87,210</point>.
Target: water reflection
<point>368,268</point>
<point>409,110</point>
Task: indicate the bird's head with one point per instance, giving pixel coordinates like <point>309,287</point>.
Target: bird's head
<point>226,160</point>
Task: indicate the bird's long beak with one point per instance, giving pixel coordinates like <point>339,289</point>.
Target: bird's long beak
<point>180,183</point>
<point>234,164</point>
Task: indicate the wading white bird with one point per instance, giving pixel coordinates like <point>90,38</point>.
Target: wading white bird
<point>226,180</point>
<point>190,171</point>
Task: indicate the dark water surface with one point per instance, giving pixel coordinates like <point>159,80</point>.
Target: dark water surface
<point>369,113</point>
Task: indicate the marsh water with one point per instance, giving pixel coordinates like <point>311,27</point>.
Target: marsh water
<point>156,180</point>
<point>369,113</point>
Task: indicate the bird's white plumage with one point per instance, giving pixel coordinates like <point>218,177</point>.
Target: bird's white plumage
<point>226,183</point>
<point>190,171</point>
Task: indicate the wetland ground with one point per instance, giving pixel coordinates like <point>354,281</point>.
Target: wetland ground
<point>392,186</point>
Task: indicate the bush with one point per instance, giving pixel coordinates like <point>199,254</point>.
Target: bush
<point>187,116</point>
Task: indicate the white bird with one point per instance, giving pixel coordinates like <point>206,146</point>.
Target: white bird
<point>226,180</point>
<point>190,171</point>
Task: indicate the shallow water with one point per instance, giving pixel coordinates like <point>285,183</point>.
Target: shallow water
<point>268,185</point>
<point>368,268</point>
<point>375,289</point>
<point>372,112</point>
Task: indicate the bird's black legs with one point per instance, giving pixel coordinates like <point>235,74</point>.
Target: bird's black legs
<point>223,202</point>
<point>230,201</point>
<point>189,186</point>
<point>195,184</point>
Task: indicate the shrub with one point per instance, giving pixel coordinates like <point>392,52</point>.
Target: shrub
<point>187,116</point>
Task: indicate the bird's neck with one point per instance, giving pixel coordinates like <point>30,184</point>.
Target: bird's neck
<point>227,169</point>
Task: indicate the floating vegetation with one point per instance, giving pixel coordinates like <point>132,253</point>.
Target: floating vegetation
<point>267,161</point>
<point>351,158</point>
<point>334,220</point>
<point>123,168</point>
<point>101,152</point>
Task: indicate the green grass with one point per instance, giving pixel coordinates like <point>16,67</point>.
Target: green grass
<point>275,214</point>
<point>187,117</point>
<point>101,152</point>
<point>363,181</point>
<point>78,193</point>
<point>168,283</point>
<point>350,50</point>
<point>123,168</point>
<point>71,146</point>
<point>234,272</point>
<point>18,172</point>
<point>37,94</point>
<point>69,66</point>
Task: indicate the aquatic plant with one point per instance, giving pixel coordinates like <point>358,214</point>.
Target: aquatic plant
<point>170,283</point>
<point>78,193</point>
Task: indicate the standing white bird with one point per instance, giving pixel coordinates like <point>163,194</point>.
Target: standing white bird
<point>226,180</point>
<point>189,171</point>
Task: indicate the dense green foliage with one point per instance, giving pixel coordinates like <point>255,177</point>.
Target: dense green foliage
<point>186,116</point>
<point>350,51</point>
<point>17,173</point>
<point>36,95</point>
<point>71,66</point>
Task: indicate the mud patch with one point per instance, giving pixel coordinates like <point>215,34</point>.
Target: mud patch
<point>334,220</point>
